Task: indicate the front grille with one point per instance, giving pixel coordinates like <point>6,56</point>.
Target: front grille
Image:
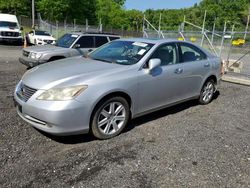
<point>9,34</point>
<point>26,53</point>
<point>25,92</point>
<point>48,41</point>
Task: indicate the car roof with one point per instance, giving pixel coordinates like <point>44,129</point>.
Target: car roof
<point>95,34</point>
<point>149,40</point>
<point>8,17</point>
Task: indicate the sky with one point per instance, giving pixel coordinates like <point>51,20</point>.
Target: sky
<point>159,4</point>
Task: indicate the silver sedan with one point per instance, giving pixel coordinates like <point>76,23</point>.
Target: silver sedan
<point>121,80</point>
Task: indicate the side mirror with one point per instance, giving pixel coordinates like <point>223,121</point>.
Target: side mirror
<point>90,50</point>
<point>153,63</point>
<point>77,46</point>
<point>21,28</point>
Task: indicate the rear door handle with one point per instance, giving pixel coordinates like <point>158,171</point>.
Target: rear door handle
<point>206,65</point>
<point>178,71</point>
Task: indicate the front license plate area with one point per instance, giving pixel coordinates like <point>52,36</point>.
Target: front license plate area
<point>18,106</point>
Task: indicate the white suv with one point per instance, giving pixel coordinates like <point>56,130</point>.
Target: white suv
<point>10,30</point>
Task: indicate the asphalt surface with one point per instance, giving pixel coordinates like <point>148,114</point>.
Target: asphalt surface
<point>188,145</point>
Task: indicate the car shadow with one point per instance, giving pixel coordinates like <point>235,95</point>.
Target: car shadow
<point>84,138</point>
<point>73,139</point>
<point>5,43</point>
<point>164,112</point>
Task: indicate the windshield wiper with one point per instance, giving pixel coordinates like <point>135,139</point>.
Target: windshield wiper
<point>104,60</point>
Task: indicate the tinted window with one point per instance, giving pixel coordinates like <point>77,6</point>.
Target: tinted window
<point>189,53</point>
<point>167,54</point>
<point>8,24</point>
<point>86,42</point>
<point>99,41</point>
<point>66,40</point>
<point>113,38</point>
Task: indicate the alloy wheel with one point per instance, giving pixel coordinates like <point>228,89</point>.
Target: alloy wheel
<point>111,118</point>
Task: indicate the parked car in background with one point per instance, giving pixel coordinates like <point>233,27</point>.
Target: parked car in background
<point>38,37</point>
<point>70,44</point>
<point>10,30</point>
<point>121,80</point>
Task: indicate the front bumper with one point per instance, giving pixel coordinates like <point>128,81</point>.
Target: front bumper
<point>11,39</point>
<point>44,43</point>
<point>55,117</point>
<point>30,62</point>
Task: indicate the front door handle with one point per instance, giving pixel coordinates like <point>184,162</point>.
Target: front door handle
<point>178,71</point>
<point>206,65</point>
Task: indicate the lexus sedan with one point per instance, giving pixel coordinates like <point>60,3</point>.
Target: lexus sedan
<point>121,80</point>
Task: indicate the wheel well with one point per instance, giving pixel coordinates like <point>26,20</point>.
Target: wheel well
<point>117,94</point>
<point>212,77</point>
<point>114,94</point>
<point>56,58</point>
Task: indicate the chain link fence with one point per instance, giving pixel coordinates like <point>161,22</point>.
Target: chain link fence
<point>222,44</point>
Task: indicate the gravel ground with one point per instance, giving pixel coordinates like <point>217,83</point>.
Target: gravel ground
<point>188,145</point>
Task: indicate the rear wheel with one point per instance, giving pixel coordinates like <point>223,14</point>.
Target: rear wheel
<point>110,117</point>
<point>207,92</point>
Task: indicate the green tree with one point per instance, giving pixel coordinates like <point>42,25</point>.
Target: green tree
<point>18,7</point>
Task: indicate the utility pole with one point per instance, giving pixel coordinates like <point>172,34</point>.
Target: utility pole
<point>223,37</point>
<point>33,14</point>
<point>245,35</point>
<point>203,28</point>
<point>212,40</point>
<point>159,28</point>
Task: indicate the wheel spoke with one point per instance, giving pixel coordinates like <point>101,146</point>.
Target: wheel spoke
<point>118,109</point>
<point>107,128</point>
<point>115,126</point>
<point>120,118</point>
<point>103,122</point>
<point>112,108</point>
<point>105,113</point>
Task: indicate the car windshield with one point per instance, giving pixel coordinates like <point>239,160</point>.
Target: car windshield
<point>121,52</point>
<point>43,33</point>
<point>66,40</point>
<point>8,24</point>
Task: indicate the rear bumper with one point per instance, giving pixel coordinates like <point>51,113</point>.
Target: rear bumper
<point>30,62</point>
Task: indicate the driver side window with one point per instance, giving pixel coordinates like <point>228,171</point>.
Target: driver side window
<point>167,54</point>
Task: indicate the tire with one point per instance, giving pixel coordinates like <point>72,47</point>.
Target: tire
<point>207,92</point>
<point>110,117</point>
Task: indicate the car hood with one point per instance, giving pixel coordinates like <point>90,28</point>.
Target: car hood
<point>68,72</point>
<point>9,29</point>
<point>42,49</point>
<point>44,37</point>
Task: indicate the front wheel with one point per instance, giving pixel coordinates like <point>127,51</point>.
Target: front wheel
<point>207,92</point>
<point>110,117</point>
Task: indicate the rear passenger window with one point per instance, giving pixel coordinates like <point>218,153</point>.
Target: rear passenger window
<point>190,53</point>
<point>99,41</point>
<point>113,38</point>
<point>86,42</point>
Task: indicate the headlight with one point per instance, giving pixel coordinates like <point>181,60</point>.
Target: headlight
<point>61,94</point>
<point>39,39</point>
<point>35,55</point>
